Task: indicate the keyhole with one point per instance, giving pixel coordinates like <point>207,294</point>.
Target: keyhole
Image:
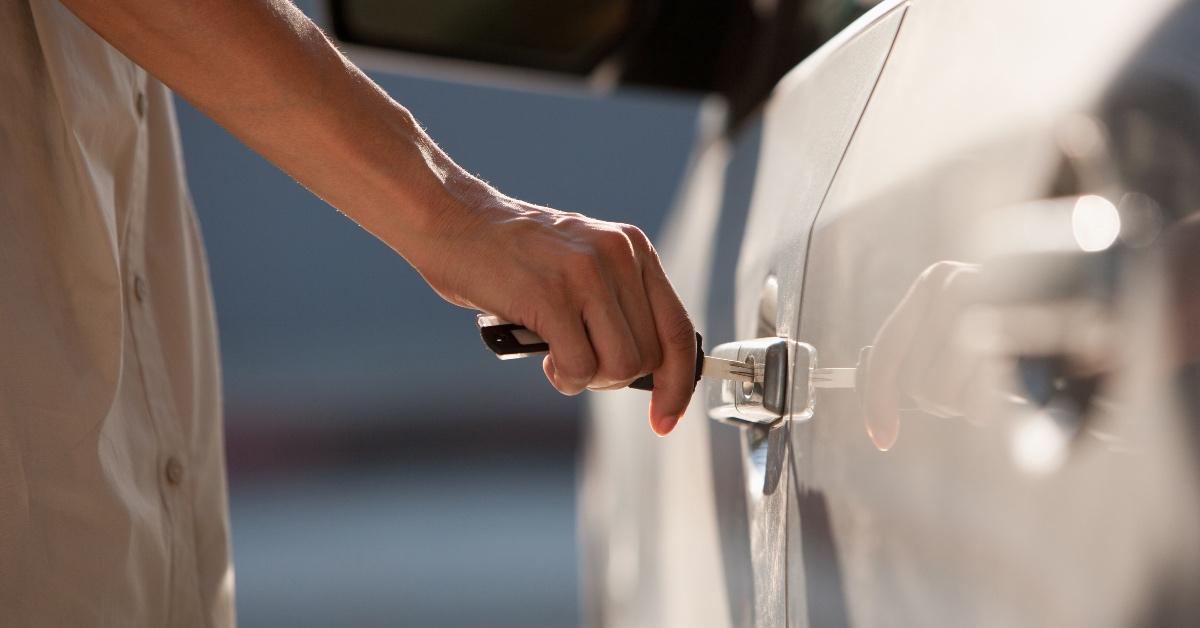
<point>748,387</point>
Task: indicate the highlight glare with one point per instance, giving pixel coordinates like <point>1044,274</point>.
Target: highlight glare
<point>1095,223</point>
<point>1039,445</point>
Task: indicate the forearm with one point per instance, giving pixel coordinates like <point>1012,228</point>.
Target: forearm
<point>596,291</point>
<point>261,69</point>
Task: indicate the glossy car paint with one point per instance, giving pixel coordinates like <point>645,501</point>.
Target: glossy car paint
<point>920,140</point>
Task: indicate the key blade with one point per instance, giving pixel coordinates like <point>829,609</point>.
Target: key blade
<point>719,368</point>
<point>834,378</point>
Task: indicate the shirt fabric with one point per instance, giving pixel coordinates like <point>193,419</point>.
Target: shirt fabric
<point>113,505</point>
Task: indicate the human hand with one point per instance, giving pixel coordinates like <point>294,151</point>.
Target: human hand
<point>594,290</point>
<point>918,356</point>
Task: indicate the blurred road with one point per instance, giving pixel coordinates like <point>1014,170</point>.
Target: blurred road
<point>487,543</point>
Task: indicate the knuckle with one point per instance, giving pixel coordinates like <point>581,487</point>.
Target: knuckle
<point>637,238</point>
<point>613,243</point>
<point>578,369</point>
<point>569,221</point>
<point>624,365</point>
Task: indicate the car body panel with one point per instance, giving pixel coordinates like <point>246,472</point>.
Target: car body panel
<point>808,124</point>
<point>897,147</point>
<point>949,528</point>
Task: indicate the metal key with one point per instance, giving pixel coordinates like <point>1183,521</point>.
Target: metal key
<point>510,340</point>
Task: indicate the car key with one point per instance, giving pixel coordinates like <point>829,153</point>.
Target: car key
<point>846,377</point>
<point>510,340</point>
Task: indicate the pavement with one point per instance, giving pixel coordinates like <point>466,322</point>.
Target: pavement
<point>434,545</point>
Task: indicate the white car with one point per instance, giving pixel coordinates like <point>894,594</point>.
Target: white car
<point>986,210</point>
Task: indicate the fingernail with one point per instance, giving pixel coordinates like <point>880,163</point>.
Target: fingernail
<point>567,387</point>
<point>663,425</point>
<point>552,373</point>
<point>883,433</point>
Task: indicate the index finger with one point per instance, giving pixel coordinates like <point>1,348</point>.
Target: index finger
<point>891,350</point>
<point>675,380</point>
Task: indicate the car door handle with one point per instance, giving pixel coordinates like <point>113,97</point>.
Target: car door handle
<point>784,371</point>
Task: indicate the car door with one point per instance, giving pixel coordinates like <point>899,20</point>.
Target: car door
<point>1071,511</point>
<point>808,123</point>
<point>687,530</point>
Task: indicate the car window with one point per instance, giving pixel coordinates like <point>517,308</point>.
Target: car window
<point>568,37</point>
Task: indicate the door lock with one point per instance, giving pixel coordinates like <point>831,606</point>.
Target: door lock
<point>784,371</point>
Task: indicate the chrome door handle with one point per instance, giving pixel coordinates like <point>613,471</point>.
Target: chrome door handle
<point>765,400</point>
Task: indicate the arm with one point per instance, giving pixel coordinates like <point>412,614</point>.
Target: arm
<point>594,290</point>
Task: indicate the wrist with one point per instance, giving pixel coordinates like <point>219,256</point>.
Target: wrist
<point>407,192</point>
<point>444,231</point>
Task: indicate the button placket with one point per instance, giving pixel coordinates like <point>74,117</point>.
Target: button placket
<point>174,471</point>
<point>172,443</point>
<point>140,289</point>
<point>139,94</point>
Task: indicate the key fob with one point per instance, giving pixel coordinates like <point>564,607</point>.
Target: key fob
<point>510,341</point>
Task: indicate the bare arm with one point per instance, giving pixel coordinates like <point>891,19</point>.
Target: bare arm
<point>594,290</point>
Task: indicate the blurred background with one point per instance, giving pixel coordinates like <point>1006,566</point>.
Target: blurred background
<point>385,469</point>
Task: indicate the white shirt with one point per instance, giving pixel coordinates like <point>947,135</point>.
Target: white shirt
<point>113,506</point>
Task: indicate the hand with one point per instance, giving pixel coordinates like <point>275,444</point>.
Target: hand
<point>594,290</point>
<point>918,356</point>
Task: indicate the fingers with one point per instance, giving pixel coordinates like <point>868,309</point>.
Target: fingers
<point>674,380</point>
<point>572,362</point>
<point>914,357</point>
<point>618,359</point>
<point>612,316</point>
<point>940,364</point>
<point>635,303</point>
<point>604,280</point>
<point>891,348</point>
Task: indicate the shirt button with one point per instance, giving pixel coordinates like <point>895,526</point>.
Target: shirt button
<point>139,104</point>
<point>140,290</point>
<point>174,471</point>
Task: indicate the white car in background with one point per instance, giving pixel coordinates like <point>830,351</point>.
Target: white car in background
<point>997,198</point>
